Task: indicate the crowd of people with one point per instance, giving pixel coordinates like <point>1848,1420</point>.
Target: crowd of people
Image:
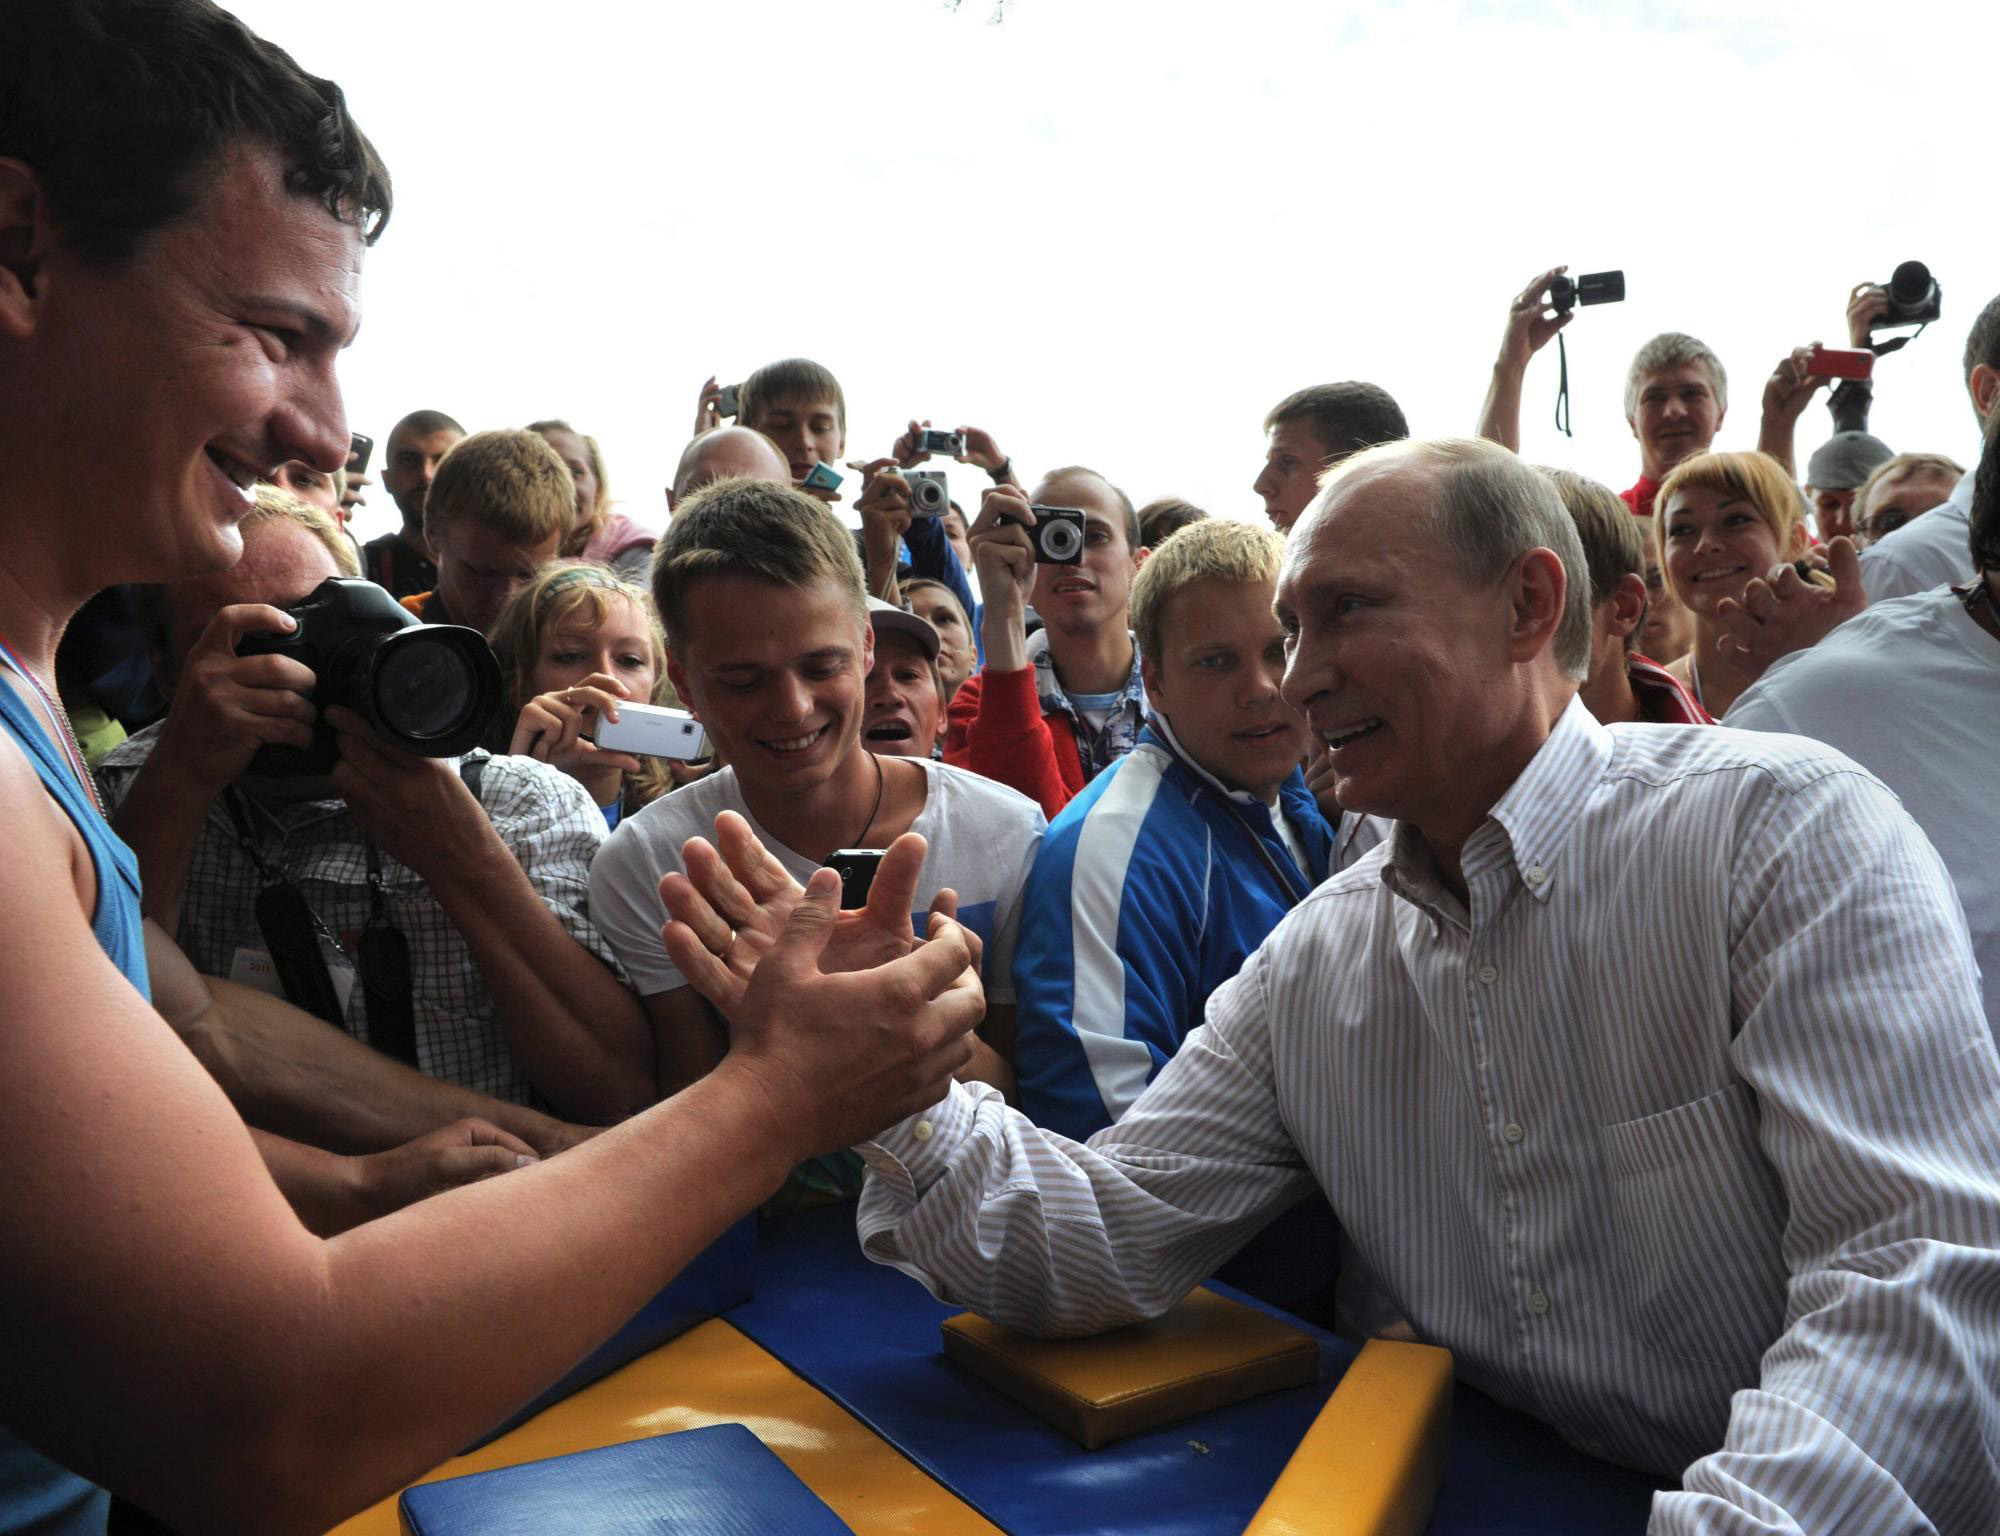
<point>1472,903</point>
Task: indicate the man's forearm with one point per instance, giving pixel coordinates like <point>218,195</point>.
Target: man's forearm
<point>580,1035</point>
<point>1500,416</point>
<point>1004,634</point>
<point>1775,434</point>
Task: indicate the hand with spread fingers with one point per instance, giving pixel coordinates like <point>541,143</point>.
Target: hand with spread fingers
<point>730,907</point>
<point>1785,612</point>
<point>839,1057</point>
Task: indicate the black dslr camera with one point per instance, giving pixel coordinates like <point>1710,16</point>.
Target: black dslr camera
<point>1914,299</point>
<point>428,689</point>
<point>1589,288</point>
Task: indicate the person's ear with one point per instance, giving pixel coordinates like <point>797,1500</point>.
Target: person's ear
<point>1985,387</point>
<point>1627,603</point>
<point>25,238</point>
<point>1149,674</point>
<point>1539,587</point>
<point>677,675</point>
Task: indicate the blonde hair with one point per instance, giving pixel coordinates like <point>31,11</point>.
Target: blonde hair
<point>511,482</point>
<point>592,522</point>
<point>558,593</point>
<point>1213,550</point>
<point>1753,477</point>
<point>1902,463</point>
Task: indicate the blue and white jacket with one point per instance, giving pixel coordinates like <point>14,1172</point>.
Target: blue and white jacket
<point>1148,893</point>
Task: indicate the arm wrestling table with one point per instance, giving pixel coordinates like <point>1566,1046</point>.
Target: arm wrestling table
<point>836,1365</point>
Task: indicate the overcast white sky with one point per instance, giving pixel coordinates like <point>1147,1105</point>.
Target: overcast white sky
<point>1118,233</point>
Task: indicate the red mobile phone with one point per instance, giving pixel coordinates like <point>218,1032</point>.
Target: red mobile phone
<point>1838,363</point>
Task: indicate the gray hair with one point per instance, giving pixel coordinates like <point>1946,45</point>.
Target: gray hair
<point>1673,349</point>
<point>1491,509</point>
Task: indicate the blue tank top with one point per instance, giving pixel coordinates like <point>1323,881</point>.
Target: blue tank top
<point>36,1495</point>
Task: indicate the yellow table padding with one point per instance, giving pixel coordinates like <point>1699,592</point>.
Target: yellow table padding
<point>1371,1462</point>
<point>714,1375</point>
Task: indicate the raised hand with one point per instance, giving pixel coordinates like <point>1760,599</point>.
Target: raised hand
<point>551,726</point>
<point>1785,612</point>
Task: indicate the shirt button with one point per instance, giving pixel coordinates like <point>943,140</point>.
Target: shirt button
<point>1489,973</point>
<point>1538,1302</point>
<point>1513,1133</point>
<point>1536,874</point>
<point>924,1130</point>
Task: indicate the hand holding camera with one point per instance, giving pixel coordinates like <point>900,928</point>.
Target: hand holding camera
<point>556,727</point>
<point>1793,383</point>
<point>415,809</point>
<point>884,508</point>
<point>1533,319</point>
<point>1003,549</point>
<point>712,406</point>
<point>228,706</point>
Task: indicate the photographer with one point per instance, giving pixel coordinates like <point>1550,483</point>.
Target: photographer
<point>1050,711</point>
<point>513,987</point>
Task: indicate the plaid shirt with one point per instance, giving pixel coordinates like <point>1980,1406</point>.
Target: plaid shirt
<point>543,816</point>
<point>1099,749</point>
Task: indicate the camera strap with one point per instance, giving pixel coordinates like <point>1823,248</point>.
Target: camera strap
<point>1562,389</point>
<point>385,972</point>
<point>295,937</point>
<point>1896,343</point>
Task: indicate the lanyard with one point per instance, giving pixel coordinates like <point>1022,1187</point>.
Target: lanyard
<point>63,732</point>
<point>1288,879</point>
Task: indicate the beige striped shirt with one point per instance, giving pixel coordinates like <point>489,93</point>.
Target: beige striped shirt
<point>1680,1133</point>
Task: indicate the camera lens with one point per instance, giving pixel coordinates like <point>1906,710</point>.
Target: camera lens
<point>1061,540</point>
<point>430,690</point>
<point>1910,284</point>
<point>927,495</point>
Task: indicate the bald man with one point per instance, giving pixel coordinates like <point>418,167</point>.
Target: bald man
<point>722,452</point>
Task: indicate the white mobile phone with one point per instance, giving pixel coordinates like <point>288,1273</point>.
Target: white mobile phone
<point>651,730</point>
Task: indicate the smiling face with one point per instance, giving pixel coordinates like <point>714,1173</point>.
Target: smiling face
<point>776,675</point>
<point>905,709</point>
<point>1293,459</point>
<point>282,563</point>
<point>619,645</point>
<point>1677,416</point>
<point>1096,592</point>
<point>479,568</point>
<point>1217,683</point>
<point>212,351</point>
<point>1716,543</point>
<point>1401,666</point>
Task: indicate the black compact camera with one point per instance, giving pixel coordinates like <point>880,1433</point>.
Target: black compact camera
<point>1058,535</point>
<point>928,497</point>
<point>1589,288</point>
<point>428,689</point>
<point>951,444</point>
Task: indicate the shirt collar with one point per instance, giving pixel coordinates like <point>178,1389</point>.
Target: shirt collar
<point>1159,725</point>
<point>1049,691</point>
<point>1527,828</point>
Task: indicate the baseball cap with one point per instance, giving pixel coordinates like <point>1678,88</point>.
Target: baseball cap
<point>888,616</point>
<point>1846,459</point>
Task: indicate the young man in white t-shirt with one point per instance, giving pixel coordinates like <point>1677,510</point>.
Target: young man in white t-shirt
<point>768,641</point>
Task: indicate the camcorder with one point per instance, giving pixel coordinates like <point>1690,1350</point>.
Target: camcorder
<point>1589,288</point>
<point>426,689</point>
<point>928,497</point>
<point>1914,299</point>
<point>951,444</point>
<point>1057,533</point>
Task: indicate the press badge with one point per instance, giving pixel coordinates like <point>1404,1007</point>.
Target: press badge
<point>251,966</point>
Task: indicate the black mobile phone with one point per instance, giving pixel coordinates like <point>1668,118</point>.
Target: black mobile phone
<point>856,868</point>
<point>359,447</point>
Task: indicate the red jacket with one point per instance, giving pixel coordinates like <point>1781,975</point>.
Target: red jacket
<point>997,728</point>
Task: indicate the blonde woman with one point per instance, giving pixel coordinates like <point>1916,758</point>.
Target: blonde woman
<point>1724,520</point>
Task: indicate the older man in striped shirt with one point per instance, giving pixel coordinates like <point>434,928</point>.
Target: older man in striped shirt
<point>1645,1066</point>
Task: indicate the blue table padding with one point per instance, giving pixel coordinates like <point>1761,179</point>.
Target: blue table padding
<point>867,1336</point>
<point>719,1277</point>
<point>717,1481</point>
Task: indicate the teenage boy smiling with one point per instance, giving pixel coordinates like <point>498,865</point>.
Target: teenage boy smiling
<point>768,640</point>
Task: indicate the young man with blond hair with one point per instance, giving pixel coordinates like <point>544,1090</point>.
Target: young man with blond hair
<point>759,589</point>
<point>497,512</point>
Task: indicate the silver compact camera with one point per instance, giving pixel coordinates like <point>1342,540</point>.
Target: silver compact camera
<point>928,497</point>
<point>951,444</point>
<point>1058,535</point>
<point>652,730</point>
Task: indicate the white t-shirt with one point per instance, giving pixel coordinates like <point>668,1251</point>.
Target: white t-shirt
<point>1910,689</point>
<point>982,837</point>
<point>1934,550</point>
